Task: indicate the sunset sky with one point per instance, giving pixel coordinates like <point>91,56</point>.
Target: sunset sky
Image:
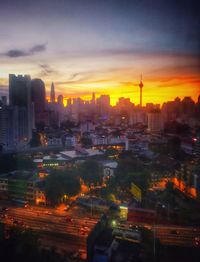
<point>103,46</point>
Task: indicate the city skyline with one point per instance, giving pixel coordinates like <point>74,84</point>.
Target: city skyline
<point>104,47</point>
<point>90,98</point>
<point>100,130</point>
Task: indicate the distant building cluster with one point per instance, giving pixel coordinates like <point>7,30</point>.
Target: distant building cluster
<point>27,116</point>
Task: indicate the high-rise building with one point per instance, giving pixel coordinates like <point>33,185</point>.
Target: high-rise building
<point>61,109</point>
<point>60,100</point>
<point>6,127</point>
<point>155,121</point>
<point>103,105</point>
<point>13,127</point>
<point>77,108</point>
<point>52,93</point>
<point>69,102</point>
<point>188,106</point>
<point>19,90</point>
<point>20,96</point>
<point>38,96</point>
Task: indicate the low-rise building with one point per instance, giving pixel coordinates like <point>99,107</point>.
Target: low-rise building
<point>22,186</point>
<point>3,186</point>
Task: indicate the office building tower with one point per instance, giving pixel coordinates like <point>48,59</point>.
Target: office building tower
<point>69,102</point>
<point>103,105</point>
<point>13,127</point>
<point>60,100</point>
<point>38,96</point>
<point>20,96</point>
<point>52,93</point>
<point>6,127</point>
<point>188,106</point>
<point>155,121</point>
<point>19,90</point>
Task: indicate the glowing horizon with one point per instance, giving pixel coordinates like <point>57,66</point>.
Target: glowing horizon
<point>83,52</point>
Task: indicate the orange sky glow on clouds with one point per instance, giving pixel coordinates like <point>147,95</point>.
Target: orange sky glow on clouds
<point>165,76</point>
<point>83,51</point>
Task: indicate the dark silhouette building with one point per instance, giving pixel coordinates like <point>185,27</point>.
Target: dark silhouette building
<point>60,100</point>
<point>19,90</point>
<point>38,97</point>
<point>52,94</point>
<point>20,98</point>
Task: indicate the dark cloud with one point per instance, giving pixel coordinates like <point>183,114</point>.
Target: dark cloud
<point>73,76</point>
<point>38,48</point>
<point>46,70</point>
<point>78,81</point>
<point>178,81</point>
<point>13,53</point>
<point>16,53</point>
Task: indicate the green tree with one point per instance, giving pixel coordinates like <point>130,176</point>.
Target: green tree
<point>86,141</point>
<point>60,183</point>
<point>22,162</point>
<point>111,152</point>
<point>22,245</point>
<point>127,168</point>
<point>15,162</point>
<point>91,172</point>
<point>35,141</point>
<point>132,170</point>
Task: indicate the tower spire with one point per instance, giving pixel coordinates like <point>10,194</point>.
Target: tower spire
<point>141,86</point>
<point>52,94</point>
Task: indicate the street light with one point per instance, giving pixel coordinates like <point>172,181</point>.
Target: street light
<point>114,223</point>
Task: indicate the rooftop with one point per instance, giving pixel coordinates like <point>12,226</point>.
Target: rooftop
<point>78,153</point>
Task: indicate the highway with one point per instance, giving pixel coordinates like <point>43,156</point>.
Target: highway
<point>176,235</point>
<point>66,230</point>
<point>171,234</point>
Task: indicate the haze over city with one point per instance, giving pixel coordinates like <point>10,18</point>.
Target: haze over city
<point>103,47</point>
